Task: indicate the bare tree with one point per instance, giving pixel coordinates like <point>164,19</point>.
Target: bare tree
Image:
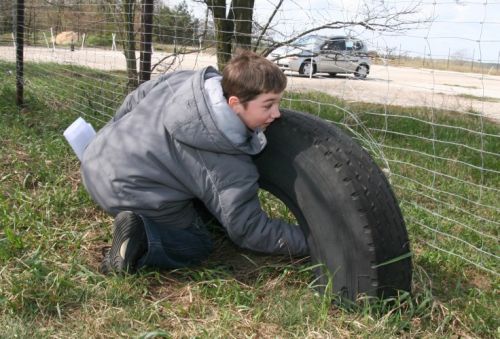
<point>234,25</point>
<point>129,47</point>
<point>6,16</point>
<point>123,14</point>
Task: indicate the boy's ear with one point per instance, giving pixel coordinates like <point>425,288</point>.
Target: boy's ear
<point>233,102</point>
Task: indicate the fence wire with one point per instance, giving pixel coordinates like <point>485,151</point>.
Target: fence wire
<point>428,111</point>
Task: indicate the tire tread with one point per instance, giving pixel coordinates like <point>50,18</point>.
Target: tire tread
<point>378,221</point>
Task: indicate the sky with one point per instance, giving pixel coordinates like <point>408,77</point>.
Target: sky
<point>462,29</point>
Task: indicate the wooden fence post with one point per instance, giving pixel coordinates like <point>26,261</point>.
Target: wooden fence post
<point>146,41</point>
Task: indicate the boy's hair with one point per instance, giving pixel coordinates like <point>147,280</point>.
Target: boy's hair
<point>248,74</point>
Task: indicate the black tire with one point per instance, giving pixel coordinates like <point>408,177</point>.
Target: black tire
<point>361,72</point>
<point>303,69</point>
<point>343,203</point>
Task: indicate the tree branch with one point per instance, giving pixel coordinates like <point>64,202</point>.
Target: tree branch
<point>390,23</point>
<point>266,26</point>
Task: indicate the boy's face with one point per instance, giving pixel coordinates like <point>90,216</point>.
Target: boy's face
<point>259,112</point>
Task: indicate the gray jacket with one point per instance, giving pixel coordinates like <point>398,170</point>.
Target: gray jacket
<point>175,139</point>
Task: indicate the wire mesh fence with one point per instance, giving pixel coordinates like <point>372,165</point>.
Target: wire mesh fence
<point>428,111</point>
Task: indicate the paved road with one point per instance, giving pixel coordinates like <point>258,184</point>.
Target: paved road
<point>404,86</point>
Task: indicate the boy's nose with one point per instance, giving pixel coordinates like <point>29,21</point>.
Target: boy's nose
<point>276,113</point>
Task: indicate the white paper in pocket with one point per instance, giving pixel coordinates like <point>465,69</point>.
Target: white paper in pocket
<point>79,134</point>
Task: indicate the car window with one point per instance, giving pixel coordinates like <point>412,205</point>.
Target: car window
<point>357,45</point>
<point>305,41</point>
<point>336,45</point>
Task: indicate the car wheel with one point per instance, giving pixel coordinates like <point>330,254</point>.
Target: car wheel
<point>343,203</point>
<point>305,68</point>
<point>361,72</point>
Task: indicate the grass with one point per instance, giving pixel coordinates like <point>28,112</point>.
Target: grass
<point>52,234</point>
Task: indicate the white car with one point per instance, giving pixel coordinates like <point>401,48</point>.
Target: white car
<point>321,54</point>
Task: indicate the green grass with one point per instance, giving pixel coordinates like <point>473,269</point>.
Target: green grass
<point>52,234</point>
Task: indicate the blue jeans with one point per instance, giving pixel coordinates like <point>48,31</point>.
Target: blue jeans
<point>174,247</point>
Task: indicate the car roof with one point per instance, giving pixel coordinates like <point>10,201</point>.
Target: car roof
<point>330,37</point>
<point>342,37</point>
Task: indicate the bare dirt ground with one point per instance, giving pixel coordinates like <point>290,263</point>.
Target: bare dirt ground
<point>462,92</point>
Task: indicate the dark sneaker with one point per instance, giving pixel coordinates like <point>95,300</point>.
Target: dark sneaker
<point>128,246</point>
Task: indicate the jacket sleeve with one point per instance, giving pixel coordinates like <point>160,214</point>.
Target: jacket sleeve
<point>251,228</point>
<point>238,208</point>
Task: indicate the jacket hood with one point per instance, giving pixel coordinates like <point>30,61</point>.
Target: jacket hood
<point>196,114</point>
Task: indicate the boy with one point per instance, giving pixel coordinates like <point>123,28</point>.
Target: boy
<point>188,136</point>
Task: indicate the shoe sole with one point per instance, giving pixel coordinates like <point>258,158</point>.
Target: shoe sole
<point>129,242</point>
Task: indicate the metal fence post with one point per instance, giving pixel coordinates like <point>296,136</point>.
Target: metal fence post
<point>498,60</point>
<point>19,53</point>
<point>472,62</point>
